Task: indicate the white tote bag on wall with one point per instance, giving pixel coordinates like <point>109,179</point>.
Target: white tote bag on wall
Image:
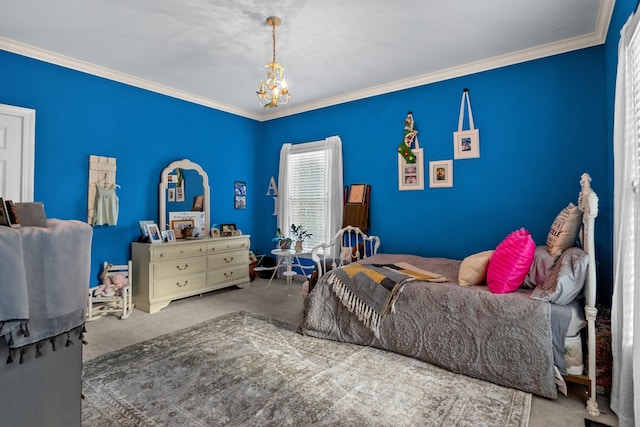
<point>466,143</point>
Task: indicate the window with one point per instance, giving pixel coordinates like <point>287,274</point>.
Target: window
<point>310,189</point>
<point>625,327</point>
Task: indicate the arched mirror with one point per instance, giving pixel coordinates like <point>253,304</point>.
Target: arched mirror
<point>184,195</point>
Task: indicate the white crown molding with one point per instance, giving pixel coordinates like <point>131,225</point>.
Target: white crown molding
<point>589,40</point>
<point>596,38</point>
<point>96,70</point>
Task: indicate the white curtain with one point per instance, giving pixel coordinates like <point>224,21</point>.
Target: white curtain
<point>332,148</point>
<point>625,392</point>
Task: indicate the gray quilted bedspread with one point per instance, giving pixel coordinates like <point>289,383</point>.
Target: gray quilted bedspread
<point>505,339</point>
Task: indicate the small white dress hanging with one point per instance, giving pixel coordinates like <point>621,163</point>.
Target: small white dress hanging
<point>466,143</point>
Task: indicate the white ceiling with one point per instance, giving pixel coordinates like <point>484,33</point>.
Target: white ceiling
<point>212,51</point>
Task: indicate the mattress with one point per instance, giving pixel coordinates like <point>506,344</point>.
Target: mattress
<point>573,358</point>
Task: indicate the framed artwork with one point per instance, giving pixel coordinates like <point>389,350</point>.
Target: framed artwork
<point>171,194</point>
<point>466,144</point>
<point>154,233</point>
<point>357,193</point>
<point>240,188</point>
<point>180,194</point>
<point>240,202</point>
<point>4,216</point>
<point>172,177</point>
<point>143,226</point>
<point>227,229</point>
<point>411,175</point>
<point>198,202</point>
<point>441,174</point>
<point>171,236</point>
<point>178,225</point>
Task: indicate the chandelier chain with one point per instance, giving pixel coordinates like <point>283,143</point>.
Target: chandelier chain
<point>273,89</point>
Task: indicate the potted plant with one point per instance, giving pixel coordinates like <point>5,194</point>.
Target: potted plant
<point>300,234</point>
<point>281,241</point>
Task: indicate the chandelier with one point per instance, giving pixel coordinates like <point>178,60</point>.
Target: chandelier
<point>273,91</point>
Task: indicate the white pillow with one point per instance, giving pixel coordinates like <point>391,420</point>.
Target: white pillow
<point>564,230</point>
<point>566,279</point>
<point>473,269</point>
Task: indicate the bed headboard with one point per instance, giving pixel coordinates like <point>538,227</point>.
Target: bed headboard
<point>588,204</point>
<point>348,244</point>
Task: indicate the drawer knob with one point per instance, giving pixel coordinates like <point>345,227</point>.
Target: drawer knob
<point>161,255</point>
<point>228,259</point>
<point>182,268</point>
<point>228,274</point>
<point>183,285</point>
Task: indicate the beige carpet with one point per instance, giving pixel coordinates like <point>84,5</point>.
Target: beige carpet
<point>241,369</point>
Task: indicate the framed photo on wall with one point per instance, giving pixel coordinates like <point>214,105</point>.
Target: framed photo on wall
<point>411,175</point>
<point>240,188</point>
<point>466,144</point>
<point>441,174</point>
<point>240,202</point>
<point>180,193</point>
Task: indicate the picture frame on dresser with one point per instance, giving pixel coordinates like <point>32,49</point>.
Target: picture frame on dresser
<point>154,233</point>
<point>4,216</point>
<point>178,225</point>
<point>143,226</point>
<point>227,229</point>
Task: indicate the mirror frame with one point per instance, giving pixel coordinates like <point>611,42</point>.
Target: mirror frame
<point>164,185</point>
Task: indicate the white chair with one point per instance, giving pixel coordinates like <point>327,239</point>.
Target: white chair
<point>121,302</point>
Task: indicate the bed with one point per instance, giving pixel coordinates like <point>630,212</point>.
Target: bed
<point>515,315</point>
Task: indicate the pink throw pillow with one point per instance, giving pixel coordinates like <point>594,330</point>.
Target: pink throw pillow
<point>510,262</point>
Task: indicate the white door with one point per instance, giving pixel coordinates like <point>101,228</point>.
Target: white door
<point>17,146</point>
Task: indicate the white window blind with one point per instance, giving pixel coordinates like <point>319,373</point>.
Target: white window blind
<point>308,193</point>
<point>634,116</point>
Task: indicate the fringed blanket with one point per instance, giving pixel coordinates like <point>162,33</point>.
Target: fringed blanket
<point>45,278</point>
<point>370,290</point>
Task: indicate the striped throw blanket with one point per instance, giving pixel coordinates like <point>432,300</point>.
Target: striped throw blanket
<point>370,290</point>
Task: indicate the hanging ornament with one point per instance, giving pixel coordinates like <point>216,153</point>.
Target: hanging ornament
<point>410,136</point>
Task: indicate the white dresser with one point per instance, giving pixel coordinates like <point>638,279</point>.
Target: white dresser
<point>163,272</point>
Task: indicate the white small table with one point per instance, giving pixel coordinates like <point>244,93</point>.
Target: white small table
<point>285,258</point>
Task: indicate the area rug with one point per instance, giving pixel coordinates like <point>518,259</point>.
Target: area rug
<point>245,370</point>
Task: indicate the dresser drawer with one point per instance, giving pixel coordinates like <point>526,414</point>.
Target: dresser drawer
<point>227,259</point>
<point>177,250</point>
<point>225,245</point>
<point>231,274</point>
<point>175,287</point>
<point>178,267</point>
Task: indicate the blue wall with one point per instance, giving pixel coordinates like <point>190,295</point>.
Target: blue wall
<point>78,115</point>
<point>542,124</point>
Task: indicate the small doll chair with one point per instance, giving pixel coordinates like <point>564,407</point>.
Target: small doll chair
<point>114,294</point>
